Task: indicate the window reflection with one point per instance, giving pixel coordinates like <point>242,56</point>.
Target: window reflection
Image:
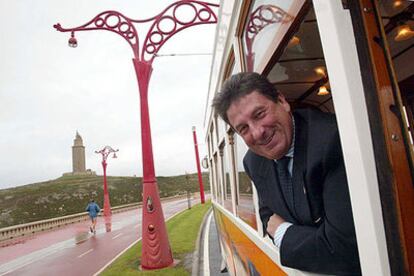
<point>399,29</point>
<point>216,183</point>
<point>226,177</point>
<point>267,20</point>
<point>245,206</point>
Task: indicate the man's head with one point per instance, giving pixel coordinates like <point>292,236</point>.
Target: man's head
<point>257,112</point>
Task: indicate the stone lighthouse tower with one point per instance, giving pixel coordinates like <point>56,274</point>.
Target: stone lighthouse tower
<point>78,155</point>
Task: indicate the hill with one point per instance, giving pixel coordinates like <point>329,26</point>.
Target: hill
<point>70,194</point>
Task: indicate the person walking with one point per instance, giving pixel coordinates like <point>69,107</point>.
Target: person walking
<point>93,210</point>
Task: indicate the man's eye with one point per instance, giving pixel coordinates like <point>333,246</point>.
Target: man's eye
<point>242,130</point>
<point>260,114</point>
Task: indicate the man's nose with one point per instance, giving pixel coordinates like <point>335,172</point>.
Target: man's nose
<point>257,132</point>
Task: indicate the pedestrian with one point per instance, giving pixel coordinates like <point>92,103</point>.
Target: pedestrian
<point>93,210</point>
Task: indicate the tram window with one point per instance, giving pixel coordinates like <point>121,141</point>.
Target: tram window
<point>300,74</point>
<point>213,138</point>
<point>399,30</point>
<point>225,173</point>
<point>211,176</point>
<point>221,128</point>
<point>266,24</point>
<point>210,150</point>
<point>216,182</point>
<point>245,206</point>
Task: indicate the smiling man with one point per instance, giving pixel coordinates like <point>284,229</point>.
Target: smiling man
<point>295,162</point>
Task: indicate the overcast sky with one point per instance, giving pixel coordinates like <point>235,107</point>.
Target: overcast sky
<point>48,91</point>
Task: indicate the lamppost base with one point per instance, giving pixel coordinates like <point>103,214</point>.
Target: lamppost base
<point>173,264</point>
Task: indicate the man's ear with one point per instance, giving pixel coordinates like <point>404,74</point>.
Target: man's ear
<point>284,103</point>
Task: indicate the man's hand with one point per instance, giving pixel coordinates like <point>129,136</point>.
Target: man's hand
<point>273,224</point>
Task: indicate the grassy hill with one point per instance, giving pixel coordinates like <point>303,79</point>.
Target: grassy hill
<point>70,194</point>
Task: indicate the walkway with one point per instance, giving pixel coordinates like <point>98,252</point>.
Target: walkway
<point>209,250</point>
<point>72,250</point>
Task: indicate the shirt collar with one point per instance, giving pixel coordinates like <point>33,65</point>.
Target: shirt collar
<point>292,146</point>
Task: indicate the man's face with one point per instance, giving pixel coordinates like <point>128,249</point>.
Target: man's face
<point>265,126</point>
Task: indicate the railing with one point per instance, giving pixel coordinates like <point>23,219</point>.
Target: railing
<point>30,228</point>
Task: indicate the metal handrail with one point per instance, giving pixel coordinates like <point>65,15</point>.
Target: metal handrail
<point>11,232</point>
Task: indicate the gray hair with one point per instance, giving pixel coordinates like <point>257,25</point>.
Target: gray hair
<point>240,85</point>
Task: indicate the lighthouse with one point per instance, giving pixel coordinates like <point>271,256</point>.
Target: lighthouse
<point>78,155</point>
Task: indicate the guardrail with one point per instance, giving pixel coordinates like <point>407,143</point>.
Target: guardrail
<point>30,228</point>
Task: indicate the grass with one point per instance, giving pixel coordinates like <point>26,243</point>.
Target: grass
<point>182,233</point>
<point>70,194</point>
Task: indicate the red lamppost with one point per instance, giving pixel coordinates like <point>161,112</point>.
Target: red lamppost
<point>200,178</point>
<point>107,150</point>
<point>156,252</point>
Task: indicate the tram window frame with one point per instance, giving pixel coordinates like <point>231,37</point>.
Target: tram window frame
<point>232,156</point>
<point>226,177</point>
<point>219,191</point>
<point>240,210</point>
<point>391,158</point>
<point>296,11</point>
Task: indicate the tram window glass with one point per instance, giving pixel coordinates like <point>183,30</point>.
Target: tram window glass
<point>211,176</point>
<point>219,197</point>
<point>397,19</point>
<point>226,177</point>
<point>236,67</point>
<point>213,139</point>
<point>221,129</point>
<point>210,150</point>
<point>245,206</point>
<point>266,23</point>
<point>300,73</point>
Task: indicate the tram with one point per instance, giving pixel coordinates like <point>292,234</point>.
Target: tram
<point>353,58</point>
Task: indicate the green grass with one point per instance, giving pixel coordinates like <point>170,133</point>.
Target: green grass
<point>182,233</point>
<point>70,194</point>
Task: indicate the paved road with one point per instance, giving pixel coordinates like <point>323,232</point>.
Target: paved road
<point>72,250</point>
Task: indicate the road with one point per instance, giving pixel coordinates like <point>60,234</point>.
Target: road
<point>72,250</point>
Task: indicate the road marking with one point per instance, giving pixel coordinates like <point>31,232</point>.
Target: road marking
<point>206,251</point>
<point>131,245</point>
<point>11,270</point>
<point>87,252</point>
<point>25,260</point>
<point>117,236</point>
<point>116,257</point>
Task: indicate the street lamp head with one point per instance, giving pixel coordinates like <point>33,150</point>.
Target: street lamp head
<point>72,41</point>
<point>114,156</point>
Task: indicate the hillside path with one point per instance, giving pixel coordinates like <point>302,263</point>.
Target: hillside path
<point>72,250</point>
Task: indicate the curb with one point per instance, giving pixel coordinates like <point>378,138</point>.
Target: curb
<point>132,244</point>
<point>196,254</point>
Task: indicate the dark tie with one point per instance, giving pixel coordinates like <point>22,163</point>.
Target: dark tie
<point>285,180</point>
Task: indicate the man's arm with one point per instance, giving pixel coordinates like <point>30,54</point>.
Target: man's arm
<point>331,246</point>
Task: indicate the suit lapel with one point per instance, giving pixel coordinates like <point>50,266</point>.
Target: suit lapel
<point>271,189</point>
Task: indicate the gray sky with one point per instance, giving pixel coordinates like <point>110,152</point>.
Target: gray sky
<point>48,91</point>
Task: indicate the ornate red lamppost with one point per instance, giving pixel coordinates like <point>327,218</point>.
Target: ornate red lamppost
<point>156,252</point>
<point>200,178</point>
<point>107,150</point>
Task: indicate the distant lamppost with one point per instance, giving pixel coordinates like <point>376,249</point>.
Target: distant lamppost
<point>156,252</point>
<point>200,178</point>
<point>107,150</point>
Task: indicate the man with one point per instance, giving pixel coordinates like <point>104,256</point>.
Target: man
<point>296,163</point>
<point>93,210</point>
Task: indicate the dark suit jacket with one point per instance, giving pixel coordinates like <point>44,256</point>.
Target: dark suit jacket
<point>322,237</point>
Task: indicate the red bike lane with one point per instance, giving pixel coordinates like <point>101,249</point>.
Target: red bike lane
<point>72,250</point>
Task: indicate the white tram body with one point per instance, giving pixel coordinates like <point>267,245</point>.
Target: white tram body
<point>343,57</point>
